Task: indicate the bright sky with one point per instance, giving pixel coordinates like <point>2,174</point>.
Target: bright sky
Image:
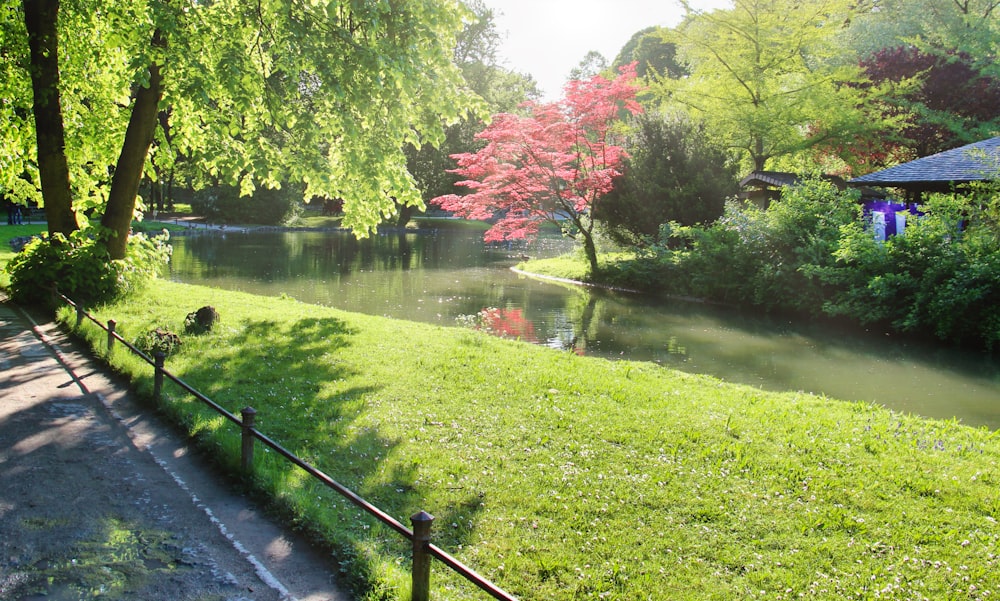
<point>548,38</point>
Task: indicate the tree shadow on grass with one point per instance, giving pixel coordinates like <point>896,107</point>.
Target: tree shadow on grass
<point>309,401</point>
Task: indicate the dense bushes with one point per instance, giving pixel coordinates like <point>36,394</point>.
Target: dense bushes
<point>79,266</point>
<point>812,252</point>
<point>942,278</point>
<point>766,257</point>
<point>223,204</point>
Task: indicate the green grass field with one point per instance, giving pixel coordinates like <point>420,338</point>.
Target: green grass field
<point>564,477</point>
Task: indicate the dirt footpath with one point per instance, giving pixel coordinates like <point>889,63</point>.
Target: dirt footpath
<point>100,501</point>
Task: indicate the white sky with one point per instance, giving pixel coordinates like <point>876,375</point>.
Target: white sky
<point>548,38</point>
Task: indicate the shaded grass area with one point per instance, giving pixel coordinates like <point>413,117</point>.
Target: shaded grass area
<point>313,221</point>
<point>565,477</point>
<point>153,228</point>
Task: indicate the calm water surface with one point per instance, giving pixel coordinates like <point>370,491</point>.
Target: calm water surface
<point>441,277</point>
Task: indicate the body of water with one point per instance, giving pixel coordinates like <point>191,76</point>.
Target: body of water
<point>448,276</point>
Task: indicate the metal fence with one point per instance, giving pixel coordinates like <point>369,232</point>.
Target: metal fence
<point>419,535</point>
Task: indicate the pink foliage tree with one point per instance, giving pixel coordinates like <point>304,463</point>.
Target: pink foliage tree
<point>551,166</point>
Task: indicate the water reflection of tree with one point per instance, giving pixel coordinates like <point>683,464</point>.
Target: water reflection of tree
<point>576,327</point>
<point>507,323</point>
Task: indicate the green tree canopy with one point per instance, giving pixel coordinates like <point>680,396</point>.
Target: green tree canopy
<point>673,173</point>
<point>654,57</point>
<point>961,26</point>
<point>767,76</point>
<point>502,90</point>
<point>256,94</point>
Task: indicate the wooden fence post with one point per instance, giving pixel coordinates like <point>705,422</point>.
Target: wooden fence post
<point>79,315</point>
<point>112,324</point>
<point>246,454</point>
<point>158,358</point>
<point>421,588</point>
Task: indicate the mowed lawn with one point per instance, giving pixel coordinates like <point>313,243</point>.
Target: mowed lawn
<point>567,477</point>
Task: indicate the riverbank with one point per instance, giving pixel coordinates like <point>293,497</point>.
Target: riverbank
<point>560,476</point>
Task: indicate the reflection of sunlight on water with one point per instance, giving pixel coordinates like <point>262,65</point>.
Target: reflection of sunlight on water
<point>451,275</point>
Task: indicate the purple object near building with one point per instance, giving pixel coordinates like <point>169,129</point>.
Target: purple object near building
<point>888,217</point>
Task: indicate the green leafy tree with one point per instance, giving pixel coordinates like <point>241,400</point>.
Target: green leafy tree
<point>673,174</point>
<point>593,63</point>
<point>258,94</point>
<point>654,56</point>
<point>767,76</point>
<point>971,27</point>
<point>502,90</point>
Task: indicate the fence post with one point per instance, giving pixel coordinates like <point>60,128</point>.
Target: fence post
<point>246,454</point>
<point>79,315</point>
<point>112,324</point>
<point>158,358</point>
<point>421,588</point>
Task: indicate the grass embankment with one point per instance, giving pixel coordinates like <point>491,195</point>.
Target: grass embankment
<point>573,266</point>
<point>566,477</point>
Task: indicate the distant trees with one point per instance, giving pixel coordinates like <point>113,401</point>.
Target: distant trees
<point>653,56</point>
<point>593,63</point>
<point>502,90</point>
<point>766,76</point>
<point>834,84</point>
<point>551,166</point>
<point>964,26</point>
<point>943,97</point>
<point>673,174</point>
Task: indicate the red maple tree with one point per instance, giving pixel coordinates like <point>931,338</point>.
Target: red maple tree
<point>550,166</point>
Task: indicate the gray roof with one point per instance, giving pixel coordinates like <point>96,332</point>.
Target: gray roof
<point>979,161</point>
<point>780,179</point>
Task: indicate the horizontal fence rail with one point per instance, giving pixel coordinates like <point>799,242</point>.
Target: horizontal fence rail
<point>420,535</point>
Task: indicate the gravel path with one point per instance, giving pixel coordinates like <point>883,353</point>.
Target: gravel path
<point>101,501</point>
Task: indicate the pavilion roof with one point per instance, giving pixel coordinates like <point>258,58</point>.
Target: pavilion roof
<point>941,172</point>
<point>781,179</point>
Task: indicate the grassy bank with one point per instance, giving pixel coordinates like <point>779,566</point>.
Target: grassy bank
<point>565,477</point>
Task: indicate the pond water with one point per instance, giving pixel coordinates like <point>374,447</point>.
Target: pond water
<point>445,276</point>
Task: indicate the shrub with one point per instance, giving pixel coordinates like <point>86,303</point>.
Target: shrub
<point>79,267</point>
<point>158,340</point>
<point>938,279</point>
<point>225,205</point>
<point>767,258</point>
<point>810,252</point>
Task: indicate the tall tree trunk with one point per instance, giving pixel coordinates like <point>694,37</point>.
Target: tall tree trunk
<point>759,159</point>
<point>41,18</point>
<point>590,249</point>
<point>128,171</point>
<point>405,214</point>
